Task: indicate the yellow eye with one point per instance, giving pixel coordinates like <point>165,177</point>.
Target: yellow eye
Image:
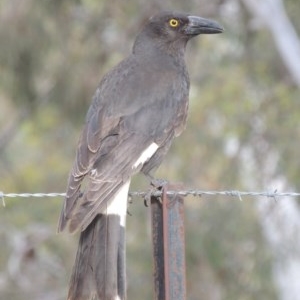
<point>173,23</point>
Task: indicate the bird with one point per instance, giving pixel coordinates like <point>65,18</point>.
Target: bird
<point>138,108</point>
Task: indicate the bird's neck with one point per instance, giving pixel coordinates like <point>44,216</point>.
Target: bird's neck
<point>158,50</point>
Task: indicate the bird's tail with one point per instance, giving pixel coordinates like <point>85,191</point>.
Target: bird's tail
<point>99,269</point>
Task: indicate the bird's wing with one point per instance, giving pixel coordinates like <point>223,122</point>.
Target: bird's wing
<point>106,167</point>
<point>120,135</point>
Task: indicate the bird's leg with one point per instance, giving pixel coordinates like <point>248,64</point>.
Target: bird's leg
<point>156,184</point>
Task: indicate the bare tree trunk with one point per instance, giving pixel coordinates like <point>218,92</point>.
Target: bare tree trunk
<point>281,220</point>
<point>272,13</point>
<point>281,226</point>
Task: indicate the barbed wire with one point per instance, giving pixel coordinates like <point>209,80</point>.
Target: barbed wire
<point>193,192</point>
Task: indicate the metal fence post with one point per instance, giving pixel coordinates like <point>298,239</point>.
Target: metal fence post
<point>168,246</point>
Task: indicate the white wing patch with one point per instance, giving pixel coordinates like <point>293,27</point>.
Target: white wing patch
<point>146,155</point>
<point>118,205</point>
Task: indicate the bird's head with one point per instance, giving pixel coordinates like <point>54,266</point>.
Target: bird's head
<point>176,28</point>
<point>173,26</point>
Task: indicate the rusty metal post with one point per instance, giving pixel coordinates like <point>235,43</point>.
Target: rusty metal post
<point>168,246</point>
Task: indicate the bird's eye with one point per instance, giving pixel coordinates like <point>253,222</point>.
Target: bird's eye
<point>173,23</point>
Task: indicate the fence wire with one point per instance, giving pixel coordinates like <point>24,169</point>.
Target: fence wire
<point>194,192</point>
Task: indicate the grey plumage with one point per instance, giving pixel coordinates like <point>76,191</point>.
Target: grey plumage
<point>141,102</point>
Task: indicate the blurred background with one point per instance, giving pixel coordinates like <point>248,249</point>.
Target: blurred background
<point>242,134</point>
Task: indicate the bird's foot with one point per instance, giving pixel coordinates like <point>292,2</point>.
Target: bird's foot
<point>156,184</point>
<point>147,197</point>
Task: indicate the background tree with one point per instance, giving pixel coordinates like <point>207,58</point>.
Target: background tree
<point>242,133</point>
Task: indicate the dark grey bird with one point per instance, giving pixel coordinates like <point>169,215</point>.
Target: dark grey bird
<point>137,110</point>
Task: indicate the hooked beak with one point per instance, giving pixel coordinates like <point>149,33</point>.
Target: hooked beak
<point>199,25</point>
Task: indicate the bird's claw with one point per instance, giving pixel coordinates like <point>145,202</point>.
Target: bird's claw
<point>155,185</point>
<point>147,197</point>
<point>158,183</point>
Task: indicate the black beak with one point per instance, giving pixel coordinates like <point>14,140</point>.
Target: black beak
<point>199,25</point>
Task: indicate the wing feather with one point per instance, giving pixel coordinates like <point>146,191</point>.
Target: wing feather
<point>121,123</point>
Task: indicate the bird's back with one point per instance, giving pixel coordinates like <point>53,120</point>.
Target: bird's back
<point>136,102</point>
